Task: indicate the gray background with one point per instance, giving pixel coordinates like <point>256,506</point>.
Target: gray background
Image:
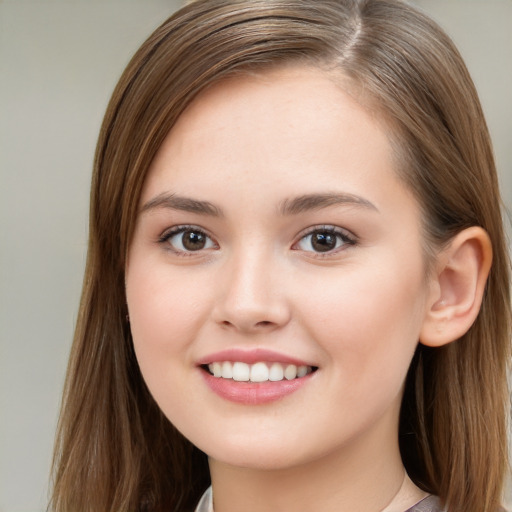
<point>59,61</point>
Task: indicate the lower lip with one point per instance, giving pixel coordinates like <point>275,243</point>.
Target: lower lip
<point>253,393</point>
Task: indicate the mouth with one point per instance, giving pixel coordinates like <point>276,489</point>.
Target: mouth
<point>255,377</point>
<point>261,371</point>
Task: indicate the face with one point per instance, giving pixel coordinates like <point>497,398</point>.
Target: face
<point>276,281</point>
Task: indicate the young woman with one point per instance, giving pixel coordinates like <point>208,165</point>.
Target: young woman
<point>297,286</point>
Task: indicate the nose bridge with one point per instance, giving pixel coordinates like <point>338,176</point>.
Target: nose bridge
<point>253,297</point>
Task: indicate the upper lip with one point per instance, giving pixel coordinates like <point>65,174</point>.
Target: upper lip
<point>251,357</point>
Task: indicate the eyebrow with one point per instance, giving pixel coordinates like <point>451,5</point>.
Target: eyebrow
<point>301,204</point>
<point>311,202</point>
<point>186,204</point>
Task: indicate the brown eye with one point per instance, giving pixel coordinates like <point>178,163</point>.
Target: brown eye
<point>188,240</point>
<point>324,240</point>
<point>193,241</point>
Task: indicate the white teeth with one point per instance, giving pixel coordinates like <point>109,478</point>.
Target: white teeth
<point>216,369</point>
<point>276,372</point>
<point>290,372</point>
<point>258,372</point>
<point>227,370</point>
<point>241,372</point>
<point>302,371</point>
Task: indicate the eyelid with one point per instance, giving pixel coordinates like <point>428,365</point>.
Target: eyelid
<point>168,233</point>
<point>179,228</point>
<point>348,237</point>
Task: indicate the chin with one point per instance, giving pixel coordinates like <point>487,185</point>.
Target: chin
<point>256,455</point>
<point>258,460</point>
<point>265,455</point>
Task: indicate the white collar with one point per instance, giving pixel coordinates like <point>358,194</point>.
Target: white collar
<point>206,502</point>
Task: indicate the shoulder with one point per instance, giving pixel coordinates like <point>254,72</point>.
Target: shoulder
<point>428,504</point>
<point>433,504</point>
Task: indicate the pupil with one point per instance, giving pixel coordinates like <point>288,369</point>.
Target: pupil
<point>193,241</point>
<point>323,242</point>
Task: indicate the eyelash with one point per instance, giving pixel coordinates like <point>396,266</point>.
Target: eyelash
<point>343,239</point>
<point>169,234</point>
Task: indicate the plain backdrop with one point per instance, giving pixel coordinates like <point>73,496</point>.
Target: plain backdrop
<point>59,61</point>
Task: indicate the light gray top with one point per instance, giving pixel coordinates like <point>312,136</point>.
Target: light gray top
<point>428,504</point>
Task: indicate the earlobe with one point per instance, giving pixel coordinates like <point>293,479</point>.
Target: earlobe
<point>457,287</point>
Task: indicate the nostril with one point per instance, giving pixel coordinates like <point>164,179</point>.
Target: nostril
<point>264,323</point>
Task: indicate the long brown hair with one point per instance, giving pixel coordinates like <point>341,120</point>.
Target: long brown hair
<point>115,451</point>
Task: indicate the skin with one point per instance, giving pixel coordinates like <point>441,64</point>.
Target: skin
<point>248,146</point>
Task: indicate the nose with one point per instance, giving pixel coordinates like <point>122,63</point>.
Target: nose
<point>252,295</point>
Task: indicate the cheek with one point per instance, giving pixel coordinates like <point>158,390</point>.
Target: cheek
<point>165,317</point>
<point>369,321</point>
<point>165,313</point>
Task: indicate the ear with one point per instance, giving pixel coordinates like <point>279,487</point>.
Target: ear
<point>457,287</point>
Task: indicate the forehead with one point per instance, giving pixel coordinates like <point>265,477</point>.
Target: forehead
<point>296,118</point>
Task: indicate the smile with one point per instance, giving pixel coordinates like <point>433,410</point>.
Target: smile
<point>258,372</point>
<point>254,377</point>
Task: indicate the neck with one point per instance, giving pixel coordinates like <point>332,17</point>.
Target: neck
<point>355,479</point>
<point>408,495</point>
